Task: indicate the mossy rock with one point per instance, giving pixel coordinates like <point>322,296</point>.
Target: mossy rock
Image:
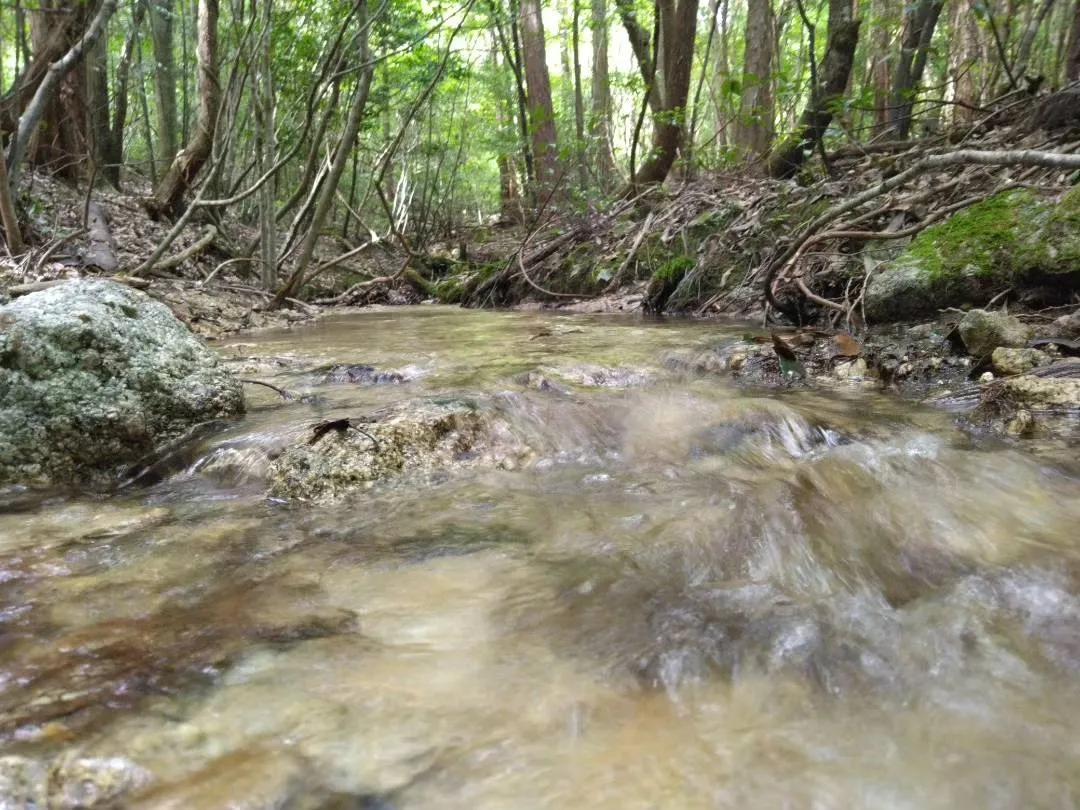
<point>1012,239</point>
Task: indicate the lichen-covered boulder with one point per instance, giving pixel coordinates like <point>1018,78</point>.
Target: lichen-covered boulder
<point>983,331</point>
<point>94,375</point>
<point>416,437</point>
<point>1012,239</point>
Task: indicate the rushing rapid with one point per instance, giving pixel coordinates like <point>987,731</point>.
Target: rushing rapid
<point>688,596</point>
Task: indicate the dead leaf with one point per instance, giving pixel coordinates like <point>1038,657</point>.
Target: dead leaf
<point>847,346</point>
<point>782,347</point>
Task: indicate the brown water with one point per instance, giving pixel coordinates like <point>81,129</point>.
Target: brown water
<point>700,597</point>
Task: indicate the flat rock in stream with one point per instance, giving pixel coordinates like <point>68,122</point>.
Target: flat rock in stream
<point>93,376</point>
<point>334,460</point>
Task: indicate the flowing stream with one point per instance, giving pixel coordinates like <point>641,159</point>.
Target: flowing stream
<point>697,596</point>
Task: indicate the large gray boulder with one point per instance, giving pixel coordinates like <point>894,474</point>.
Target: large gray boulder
<point>93,375</point>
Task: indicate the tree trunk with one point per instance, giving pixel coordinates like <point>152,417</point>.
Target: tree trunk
<point>880,50</point>
<point>753,129</point>
<point>169,195</point>
<point>678,28</point>
<point>267,145</point>
<point>721,72</point>
<point>1072,59</point>
<point>538,86</point>
<point>99,125</point>
<point>512,52</point>
<point>832,84</point>
<point>641,45</point>
<point>579,97</point>
<point>61,141</point>
<point>328,189</point>
<point>600,113</point>
<point>161,34</point>
<point>114,156</point>
<point>52,33</point>
<point>919,22</point>
<point>963,67</point>
<point>1027,39</point>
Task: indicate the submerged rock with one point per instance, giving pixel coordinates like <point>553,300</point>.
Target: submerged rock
<point>68,783</point>
<point>358,374</point>
<point>339,458</point>
<point>94,375</point>
<point>983,331</point>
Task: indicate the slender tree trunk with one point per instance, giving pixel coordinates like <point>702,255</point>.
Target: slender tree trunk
<point>509,195</point>
<point>267,142</point>
<point>1027,39</point>
<point>579,97</point>
<point>512,51</point>
<point>169,195</point>
<point>963,67</point>
<point>641,45</point>
<point>161,35</point>
<point>919,23</point>
<point>144,108</point>
<point>753,129</point>
<point>8,217</point>
<point>600,102</point>
<point>1072,58</point>
<point>678,28</point>
<point>721,72</point>
<point>880,47</point>
<point>538,84</point>
<point>114,157</point>
<point>328,189</point>
<point>832,84</point>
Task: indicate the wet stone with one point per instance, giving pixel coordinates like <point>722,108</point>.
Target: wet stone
<point>1008,361</point>
<point>419,437</point>
<point>357,374</point>
<point>71,782</point>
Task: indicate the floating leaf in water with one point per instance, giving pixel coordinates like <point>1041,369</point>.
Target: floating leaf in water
<point>846,345</point>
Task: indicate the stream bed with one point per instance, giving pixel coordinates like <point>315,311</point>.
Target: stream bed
<point>689,595</point>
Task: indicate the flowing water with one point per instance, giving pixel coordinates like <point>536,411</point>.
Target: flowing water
<point>694,597</point>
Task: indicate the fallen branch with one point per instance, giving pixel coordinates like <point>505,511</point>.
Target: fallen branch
<point>204,241</point>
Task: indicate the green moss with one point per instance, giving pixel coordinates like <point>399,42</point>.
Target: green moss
<point>665,280</point>
<point>1063,230</point>
<point>991,238</point>
<point>674,270</point>
<point>450,290</point>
